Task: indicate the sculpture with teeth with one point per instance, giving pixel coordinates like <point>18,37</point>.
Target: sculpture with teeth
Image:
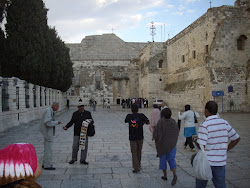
<point>19,162</point>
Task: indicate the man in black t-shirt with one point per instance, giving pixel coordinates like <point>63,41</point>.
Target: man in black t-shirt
<point>136,121</point>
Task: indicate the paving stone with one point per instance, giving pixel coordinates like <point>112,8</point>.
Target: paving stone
<point>91,184</point>
<point>111,183</point>
<point>109,155</point>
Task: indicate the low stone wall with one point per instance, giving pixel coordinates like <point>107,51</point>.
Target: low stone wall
<point>22,102</point>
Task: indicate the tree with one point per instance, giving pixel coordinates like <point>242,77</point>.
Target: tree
<point>3,57</point>
<point>35,52</point>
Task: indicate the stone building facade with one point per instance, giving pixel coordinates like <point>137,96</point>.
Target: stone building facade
<point>208,60</point>
<point>105,67</point>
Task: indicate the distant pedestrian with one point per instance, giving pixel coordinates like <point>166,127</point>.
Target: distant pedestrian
<point>214,134</point>
<point>94,103</point>
<point>136,121</point>
<point>77,118</point>
<point>155,117</point>
<point>103,103</point>
<point>166,136</point>
<point>68,103</point>
<point>190,127</point>
<point>47,127</point>
<point>108,104</point>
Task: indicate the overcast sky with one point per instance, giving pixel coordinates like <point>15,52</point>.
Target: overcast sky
<point>130,19</point>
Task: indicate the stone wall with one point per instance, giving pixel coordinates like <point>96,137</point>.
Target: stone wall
<point>204,58</point>
<point>151,75</point>
<point>105,67</point>
<point>19,105</point>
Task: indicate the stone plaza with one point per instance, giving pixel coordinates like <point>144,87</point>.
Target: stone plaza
<point>109,153</point>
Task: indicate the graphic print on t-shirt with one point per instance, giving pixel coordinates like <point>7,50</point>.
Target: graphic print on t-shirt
<point>134,123</point>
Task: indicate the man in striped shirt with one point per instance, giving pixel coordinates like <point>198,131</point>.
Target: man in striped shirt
<point>214,133</point>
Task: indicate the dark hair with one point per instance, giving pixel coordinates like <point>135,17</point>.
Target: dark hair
<point>155,105</point>
<point>187,107</point>
<point>166,113</point>
<point>134,108</point>
<point>212,107</point>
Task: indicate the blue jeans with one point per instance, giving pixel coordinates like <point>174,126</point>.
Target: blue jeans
<point>218,178</point>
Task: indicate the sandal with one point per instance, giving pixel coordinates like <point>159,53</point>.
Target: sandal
<point>164,178</point>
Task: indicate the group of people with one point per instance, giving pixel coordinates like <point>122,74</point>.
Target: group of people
<point>48,124</point>
<point>140,102</point>
<point>213,134</point>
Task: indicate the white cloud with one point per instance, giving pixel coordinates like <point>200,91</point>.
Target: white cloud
<point>178,13</point>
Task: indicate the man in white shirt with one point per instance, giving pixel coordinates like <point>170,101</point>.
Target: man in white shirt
<point>47,128</point>
<point>213,133</point>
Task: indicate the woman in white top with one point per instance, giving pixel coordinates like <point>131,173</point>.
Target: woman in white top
<point>189,123</point>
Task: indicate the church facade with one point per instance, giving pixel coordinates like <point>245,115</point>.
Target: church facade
<point>208,60</point>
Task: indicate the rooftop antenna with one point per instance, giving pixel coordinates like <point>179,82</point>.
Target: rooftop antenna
<point>152,28</point>
<point>210,4</point>
<point>112,30</point>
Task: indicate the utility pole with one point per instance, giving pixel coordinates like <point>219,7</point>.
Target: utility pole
<point>152,28</point>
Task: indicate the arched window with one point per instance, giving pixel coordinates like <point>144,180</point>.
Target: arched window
<point>241,42</point>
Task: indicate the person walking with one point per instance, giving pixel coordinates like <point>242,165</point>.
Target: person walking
<point>47,128</point>
<point>155,117</point>
<point>214,134</point>
<point>136,121</point>
<point>190,127</point>
<point>94,103</point>
<point>77,118</point>
<point>166,136</point>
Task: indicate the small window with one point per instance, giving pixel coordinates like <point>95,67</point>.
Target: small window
<point>241,42</point>
<point>98,85</point>
<point>206,36</point>
<point>160,62</point>
<point>183,58</point>
<point>194,54</point>
<point>206,49</point>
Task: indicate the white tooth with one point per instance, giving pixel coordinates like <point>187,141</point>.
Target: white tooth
<point>31,171</point>
<point>1,169</point>
<point>12,170</point>
<point>27,169</point>
<point>7,170</point>
<point>18,170</point>
<point>22,170</point>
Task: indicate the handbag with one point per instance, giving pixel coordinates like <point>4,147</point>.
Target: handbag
<point>91,129</point>
<point>201,165</point>
<point>195,118</point>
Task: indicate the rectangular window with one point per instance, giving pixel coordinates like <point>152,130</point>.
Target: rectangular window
<point>206,49</point>
<point>194,54</point>
<point>160,63</point>
<point>183,58</point>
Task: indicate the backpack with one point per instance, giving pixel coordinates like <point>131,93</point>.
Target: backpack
<point>91,129</point>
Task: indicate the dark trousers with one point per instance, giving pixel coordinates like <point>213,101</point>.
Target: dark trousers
<point>189,142</point>
<point>136,147</point>
<point>75,149</point>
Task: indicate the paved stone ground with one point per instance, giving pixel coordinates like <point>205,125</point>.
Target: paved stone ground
<point>109,154</point>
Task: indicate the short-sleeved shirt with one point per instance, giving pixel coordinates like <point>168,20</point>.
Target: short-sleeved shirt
<point>214,133</point>
<point>136,122</point>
